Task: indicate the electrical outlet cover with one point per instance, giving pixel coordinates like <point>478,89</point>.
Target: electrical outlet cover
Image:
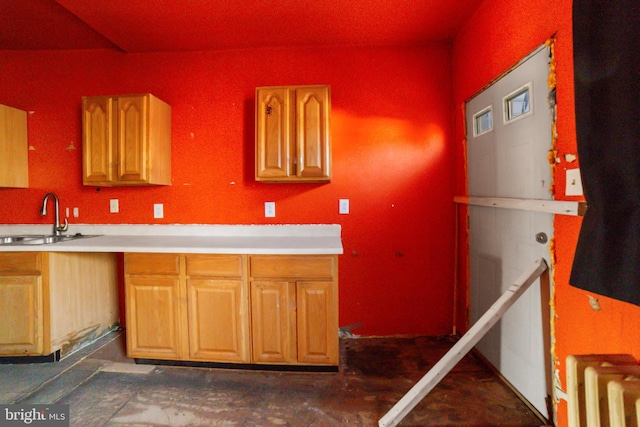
<point>269,209</point>
<point>158,210</point>
<point>343,206</point>
<point>114,206</point>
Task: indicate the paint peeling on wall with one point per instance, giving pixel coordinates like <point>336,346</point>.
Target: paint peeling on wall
<point>553,159</point>
<point>552,155</point>
<point>557,384</point>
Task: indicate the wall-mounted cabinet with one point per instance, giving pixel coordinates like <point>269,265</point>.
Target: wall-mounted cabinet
<point>126,140</point>
<point>14,159</point>
<point>293,142</point>
<point>262,309</point>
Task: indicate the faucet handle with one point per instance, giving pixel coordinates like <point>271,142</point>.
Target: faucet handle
<point>65,227</point>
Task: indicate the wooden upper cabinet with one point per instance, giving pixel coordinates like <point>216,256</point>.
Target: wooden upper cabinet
<point>126,140</point>
<point>14,159</point>
<point>293,142</point>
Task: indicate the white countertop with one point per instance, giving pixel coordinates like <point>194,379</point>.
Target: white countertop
<point>213,239</point>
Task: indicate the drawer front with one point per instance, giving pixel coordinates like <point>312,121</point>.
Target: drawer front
<point>20,263</point>
<point>294,266</point>
<point>143,263</point>
<point>214,265</point>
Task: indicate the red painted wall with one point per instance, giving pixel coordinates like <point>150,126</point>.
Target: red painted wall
<point>499,34</point>
<point>392,157</point>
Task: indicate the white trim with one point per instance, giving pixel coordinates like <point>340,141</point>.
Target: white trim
<point>558,207</point>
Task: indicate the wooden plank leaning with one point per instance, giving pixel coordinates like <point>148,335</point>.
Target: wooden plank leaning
<point>463,346</point>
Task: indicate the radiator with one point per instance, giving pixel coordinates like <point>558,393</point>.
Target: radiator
<point>603,390</point>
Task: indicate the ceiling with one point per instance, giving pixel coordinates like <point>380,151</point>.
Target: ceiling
<point>195,25</point>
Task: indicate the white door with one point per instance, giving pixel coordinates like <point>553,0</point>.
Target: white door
<point>508,137</point>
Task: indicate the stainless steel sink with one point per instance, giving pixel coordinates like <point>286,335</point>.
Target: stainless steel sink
<point>5,240</point>
<point>39,239</point>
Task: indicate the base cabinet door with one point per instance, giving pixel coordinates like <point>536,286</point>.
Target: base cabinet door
<point>153,318</point>
<point>317,323</point>
<point>217,317</point>
<point>294,322</point>
<point>273,320</point>
<point>21,315</point>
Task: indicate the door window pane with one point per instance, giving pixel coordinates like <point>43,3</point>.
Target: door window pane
<point>482,122</point>
<point>518,103</point>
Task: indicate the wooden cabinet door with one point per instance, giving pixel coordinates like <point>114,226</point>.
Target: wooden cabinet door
<point>97,140</point>
<point>218,320</point>
<point>273,133</point>
<point>273,320</point>
<point>126,140</point>
<point>313,148</point>
<point>317,322</point>
<point>14,149</point>
<point>132,137</point>
<point>154,326</point>
<point>293,141</point>
<point>21,315</point>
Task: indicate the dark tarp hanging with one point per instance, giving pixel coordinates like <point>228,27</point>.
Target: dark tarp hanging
<point>607,96</point>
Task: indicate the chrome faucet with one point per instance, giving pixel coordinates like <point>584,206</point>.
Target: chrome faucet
<point>57,229</point>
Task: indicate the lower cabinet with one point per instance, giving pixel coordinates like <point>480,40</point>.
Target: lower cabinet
<point>22,313</point>
<point>266,309</point>
<point>294,308</point>
<point>217,308</point>
<point>154,326</point>
<point>187,307</point>
<point>53,302</point>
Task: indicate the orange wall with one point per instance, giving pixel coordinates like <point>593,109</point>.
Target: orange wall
<point>392,157</point>
<point>499,34</point>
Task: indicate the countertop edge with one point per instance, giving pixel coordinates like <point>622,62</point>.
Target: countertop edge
<point>277,240</point>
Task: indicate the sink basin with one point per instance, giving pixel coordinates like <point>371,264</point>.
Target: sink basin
<point>5,240</point>
<point>38,239</point>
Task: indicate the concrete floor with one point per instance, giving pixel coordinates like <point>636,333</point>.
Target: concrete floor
<point>104,388</point>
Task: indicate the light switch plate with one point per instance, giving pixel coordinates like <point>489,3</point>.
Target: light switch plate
<point>158,210</point>
<point>114,206</point>
<point>574,183</point>
<point>343,207</point>
<point>269,209</point>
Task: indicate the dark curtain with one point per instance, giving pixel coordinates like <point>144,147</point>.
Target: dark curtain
<point>607,96</point>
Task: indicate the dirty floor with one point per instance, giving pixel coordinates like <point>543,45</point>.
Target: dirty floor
<point>104,388</point>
